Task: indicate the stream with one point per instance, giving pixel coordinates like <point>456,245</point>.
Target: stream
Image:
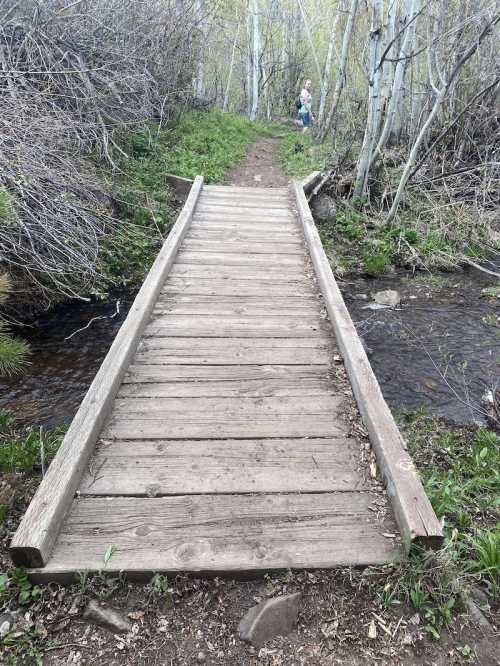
<point>440,349</point>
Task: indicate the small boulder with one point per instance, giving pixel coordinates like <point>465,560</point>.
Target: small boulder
<point>388,297</point>
<point>107,617</point>
<point>324,208</point>
<point>273,617</point>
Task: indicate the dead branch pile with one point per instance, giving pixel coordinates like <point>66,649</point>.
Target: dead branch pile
<point>73,76</point>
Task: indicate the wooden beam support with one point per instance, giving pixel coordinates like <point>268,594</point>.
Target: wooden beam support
<point>34,540</point>
<point>413,511</point>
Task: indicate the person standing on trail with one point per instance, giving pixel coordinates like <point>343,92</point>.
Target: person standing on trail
<point>305,111</point>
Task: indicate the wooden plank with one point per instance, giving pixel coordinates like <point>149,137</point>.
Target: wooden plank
<point>233,351</point>
<point>201,326</point>
<point>213,409</point>
<point>260,202</point>
<point>221,533</point>
<point>245,247</point>
<point>228,190</point>
<point>195,467</point>
<point>231,287</point>
<point>238,304</point>
<point>142,386</point>
<point>221,258</point>
<point>413,510</point>
<point>221,272</point>
<point>243,224</point>
<point>210,426</point>
<point>35,537</point>
<point>261,213</point>
<point>253,221</point>
<point>244,235</point>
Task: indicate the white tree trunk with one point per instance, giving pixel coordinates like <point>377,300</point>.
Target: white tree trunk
<point>373,94</point>
<point>341,72</point>
<point>230,74</point>
<point>249,59</point>
<point>328,65</point>
<point>255,60</point>
<point>311,42</point>
<point>440,96</point>
<point>397,86</point>
<point>387,74</point>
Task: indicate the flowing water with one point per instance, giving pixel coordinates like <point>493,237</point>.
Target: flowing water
<point>440,349</point>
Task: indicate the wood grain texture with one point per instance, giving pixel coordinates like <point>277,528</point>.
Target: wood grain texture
<point>34,539</point>
<point>217,224</point>
<point>413,510</point>
<point>243,233</point>
<point>173,467</point>
<point>229,259</point>
<point>277,274</point>
<point>222,326</point>
<point>213,408</point>
<point>221,533</point>
<point>251,219</point>
<point>247,212</point>
<point>232,190</point>
<point>206,426</point>
<point>233,287</point>
<point>226,380</point>
<point>248,201</point>
<point>232,351</point>
<point>243,247</point>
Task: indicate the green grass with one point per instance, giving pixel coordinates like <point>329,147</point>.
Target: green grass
<point>13,353</point>
<point>300,156</point>
<point>200,143</point>
<point>460,471</point>
<point>22,451</point>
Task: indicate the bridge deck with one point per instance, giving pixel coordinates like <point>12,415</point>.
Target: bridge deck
<point>227,445</point>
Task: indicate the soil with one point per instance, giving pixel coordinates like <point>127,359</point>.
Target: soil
<point>185,621</point>
<point>260,168</point>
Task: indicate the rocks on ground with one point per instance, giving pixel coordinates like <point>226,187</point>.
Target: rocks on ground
<point>273,617</point>
<point>324,208</point>
<point>107,617</point>
<point>388,297</point>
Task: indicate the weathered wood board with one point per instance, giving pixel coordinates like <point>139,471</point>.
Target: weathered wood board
<point>224,439</point>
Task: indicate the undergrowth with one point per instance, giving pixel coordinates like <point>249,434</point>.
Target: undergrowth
<point>429,239</point>
<point>23,451</point>
<point>460,471</point>
<point>300,156</point>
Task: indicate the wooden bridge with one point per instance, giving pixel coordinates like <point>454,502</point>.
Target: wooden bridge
<point>216,436</point>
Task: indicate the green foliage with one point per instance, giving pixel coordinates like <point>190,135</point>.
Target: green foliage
<point>300,156</point>
<point>22,452</point>
<point>15,583</point>
<point>13,353</point>
<point>375,264</point>
<point>7,208</point>
<point>460,472</point>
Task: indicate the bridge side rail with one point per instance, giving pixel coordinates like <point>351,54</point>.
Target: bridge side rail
<point>413,511</point>
<point>35,538</point>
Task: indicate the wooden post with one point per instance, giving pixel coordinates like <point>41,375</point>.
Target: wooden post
<point>413,511</point>
<point>34,540</point>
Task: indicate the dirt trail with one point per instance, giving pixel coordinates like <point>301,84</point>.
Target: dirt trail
<point>260,168</point>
